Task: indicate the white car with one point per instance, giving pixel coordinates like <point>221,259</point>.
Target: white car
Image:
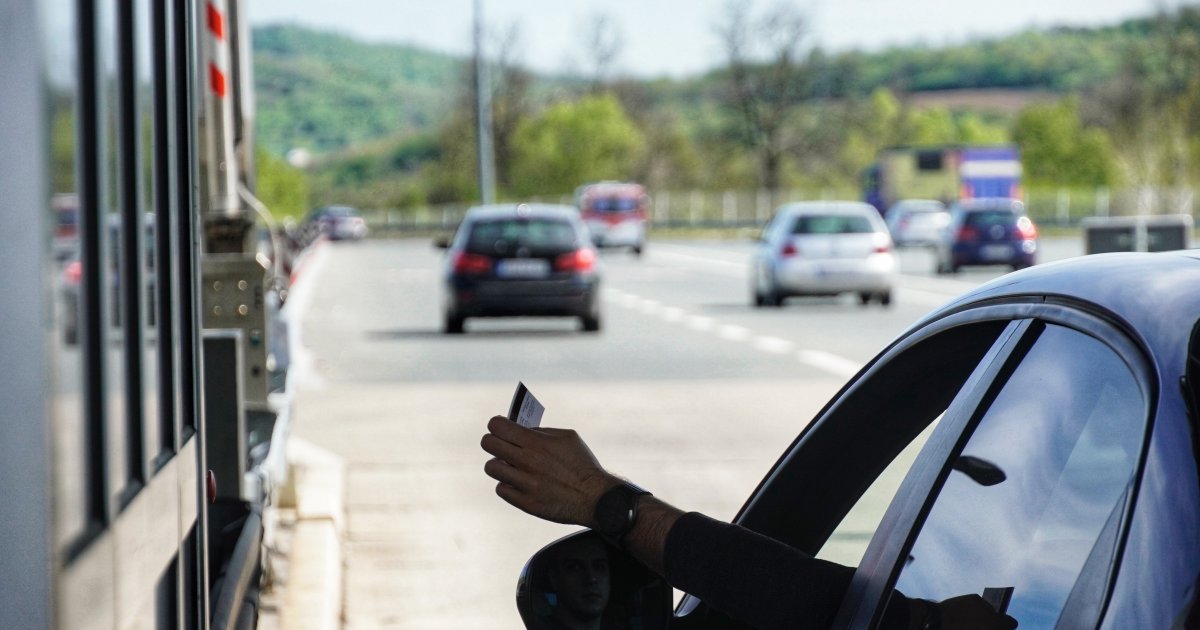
<point>824,248</point>
<point>918,222</point>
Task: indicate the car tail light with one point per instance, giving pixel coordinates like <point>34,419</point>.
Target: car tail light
<point>967,233</point>
<point>578,260</point>
<point>883,249</point>
<point>789,249</point>
<point>73,273</point>
<point>1026,228</point>
<point>472,264</point>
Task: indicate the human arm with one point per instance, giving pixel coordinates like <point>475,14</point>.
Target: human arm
<point>552,474</point>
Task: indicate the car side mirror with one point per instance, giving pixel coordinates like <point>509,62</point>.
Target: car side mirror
<point>441,242</point>
<point>580,581</point>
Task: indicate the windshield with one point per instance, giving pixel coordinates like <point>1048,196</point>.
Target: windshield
<point>612,204</point>
<point>832,224</point>
<point>507,236</point>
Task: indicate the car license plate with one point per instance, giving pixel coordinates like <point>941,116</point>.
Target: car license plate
<point>996,252</point>
<point>523,268</point>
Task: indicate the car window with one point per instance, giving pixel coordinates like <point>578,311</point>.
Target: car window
<point>832,224</point>
<point>848,542</point>
<point>991,217</point>
<point>613,204</point>
<point>1037,482</point>
<point>505,236</point>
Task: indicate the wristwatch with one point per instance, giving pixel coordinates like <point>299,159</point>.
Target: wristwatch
<point>617,511</point>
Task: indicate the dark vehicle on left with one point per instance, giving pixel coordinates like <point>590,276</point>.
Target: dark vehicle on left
<point>512,260</point>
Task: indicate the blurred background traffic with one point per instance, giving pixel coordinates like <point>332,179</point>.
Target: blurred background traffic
<point>1096,108</point>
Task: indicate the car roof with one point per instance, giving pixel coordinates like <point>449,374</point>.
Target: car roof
<point>1144,292</point>
<point>538,210</point>
<point>828,207</point>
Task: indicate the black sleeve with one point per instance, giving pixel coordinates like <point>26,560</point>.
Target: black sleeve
<point>758,580</point>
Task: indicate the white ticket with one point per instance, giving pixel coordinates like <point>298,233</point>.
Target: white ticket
<point>525,409</point>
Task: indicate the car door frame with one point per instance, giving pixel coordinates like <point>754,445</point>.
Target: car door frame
<point>870,588</point>
<point>771,507</point>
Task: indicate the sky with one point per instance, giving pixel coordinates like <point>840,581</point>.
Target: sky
<point>677,37</point>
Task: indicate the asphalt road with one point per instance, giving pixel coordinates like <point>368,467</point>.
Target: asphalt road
<point>687,390</point>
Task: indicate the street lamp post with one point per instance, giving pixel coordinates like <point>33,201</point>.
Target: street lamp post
<point>483,115</point>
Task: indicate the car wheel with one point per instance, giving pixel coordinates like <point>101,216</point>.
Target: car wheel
<point>591,323</point>
<point>637,250</point>
<point>453,324</point>
<point>885,299</point>
<point>864,299</point>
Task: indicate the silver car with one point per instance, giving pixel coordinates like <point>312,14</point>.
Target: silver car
<point>824,248</point>
<point>918,222</point>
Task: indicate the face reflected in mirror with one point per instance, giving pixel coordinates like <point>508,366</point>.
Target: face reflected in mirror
<point>579,582</point>
<point>582,583</point>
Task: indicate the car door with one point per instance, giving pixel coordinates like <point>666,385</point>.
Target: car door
<point>906,417</point>
<point>827,494</point>
<point>1024,490</point>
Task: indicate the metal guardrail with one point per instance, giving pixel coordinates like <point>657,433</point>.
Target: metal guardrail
<point>752,208</point>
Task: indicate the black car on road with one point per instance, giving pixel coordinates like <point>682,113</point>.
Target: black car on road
<point>511,260</point>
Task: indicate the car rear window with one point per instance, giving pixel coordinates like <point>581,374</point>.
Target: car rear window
<point>832,224</point>
<point>502,236</point>
<point>991,217</point>
<point>612,204</point>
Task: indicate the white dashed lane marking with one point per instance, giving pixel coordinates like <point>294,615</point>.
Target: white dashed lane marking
<point>819,359</point>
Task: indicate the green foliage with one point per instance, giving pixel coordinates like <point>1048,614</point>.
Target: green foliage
<point>1057,149</point>
<point>325,92</point>
<point>575,142</point>
<point>393,126</point>
<point>282,188</point>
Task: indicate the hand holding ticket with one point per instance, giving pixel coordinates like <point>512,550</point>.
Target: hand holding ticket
<point>525,409</point>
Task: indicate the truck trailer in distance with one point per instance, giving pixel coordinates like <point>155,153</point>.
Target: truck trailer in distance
<point>945,172</point>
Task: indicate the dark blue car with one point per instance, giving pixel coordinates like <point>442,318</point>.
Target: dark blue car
<point>987,232</point>
<point>1035,442</point>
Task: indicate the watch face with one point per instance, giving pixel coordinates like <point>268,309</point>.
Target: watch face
<point>613,512</point>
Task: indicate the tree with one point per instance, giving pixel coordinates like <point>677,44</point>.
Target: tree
<point>569,144</point>
<point>281,187</point>
<point>601,44</point>
<point>1057,149</point>
<point>768,80</point>
<point>454,176</point>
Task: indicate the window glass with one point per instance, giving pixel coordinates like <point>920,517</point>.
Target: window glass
<point>848,542</point>
<point>112,307</point>
<point>145,196</point>
<point>613,204</point>
<point>832,224</point>
<point>1037,482</point>
<point>984,218</point>
<point>69,422</point>
<point>506,236</point>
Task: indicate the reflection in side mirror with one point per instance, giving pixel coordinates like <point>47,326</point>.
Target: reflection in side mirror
<point>581,582</point>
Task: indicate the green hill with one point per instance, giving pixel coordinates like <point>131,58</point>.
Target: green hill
<point>325,91</point>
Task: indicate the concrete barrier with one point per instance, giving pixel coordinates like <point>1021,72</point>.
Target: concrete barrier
<point>1157,233</point>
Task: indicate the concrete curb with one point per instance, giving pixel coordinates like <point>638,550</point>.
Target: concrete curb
<point>313,595</point>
